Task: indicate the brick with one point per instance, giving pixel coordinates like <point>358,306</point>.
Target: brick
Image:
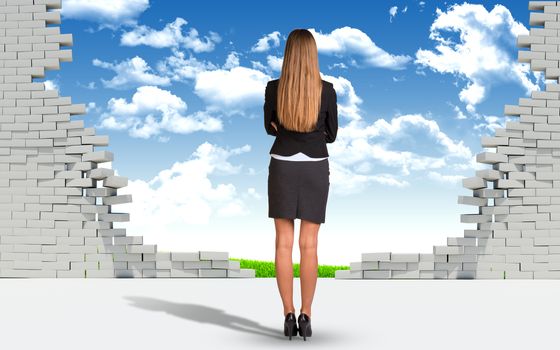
<point>381,274</point>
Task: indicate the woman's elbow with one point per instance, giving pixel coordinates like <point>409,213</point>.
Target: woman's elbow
<point>330,138</point>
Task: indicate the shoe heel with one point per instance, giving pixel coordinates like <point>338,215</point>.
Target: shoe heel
<point>304,327</point>
<point>306,331</point>
<point>290,326</point>
<point>290,329</point>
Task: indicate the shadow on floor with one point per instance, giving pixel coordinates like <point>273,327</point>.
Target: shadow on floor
<point>206,314</point>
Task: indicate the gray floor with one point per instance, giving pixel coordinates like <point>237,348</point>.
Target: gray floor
<point>247,314</point>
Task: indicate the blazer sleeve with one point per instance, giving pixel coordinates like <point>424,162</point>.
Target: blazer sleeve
<point>331,123</point>
<point>268,111</point>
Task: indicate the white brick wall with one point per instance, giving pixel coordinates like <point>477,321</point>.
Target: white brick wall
<point>51,224</point>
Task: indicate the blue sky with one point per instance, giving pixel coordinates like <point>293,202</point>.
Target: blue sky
<point>179,89</point>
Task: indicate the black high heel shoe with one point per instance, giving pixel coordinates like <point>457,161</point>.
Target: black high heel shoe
<point>304,324</point>
<point>290,326</point>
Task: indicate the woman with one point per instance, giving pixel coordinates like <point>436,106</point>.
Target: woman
<point>300,110</point>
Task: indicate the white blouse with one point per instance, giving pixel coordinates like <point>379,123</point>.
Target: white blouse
<point>296,157</point>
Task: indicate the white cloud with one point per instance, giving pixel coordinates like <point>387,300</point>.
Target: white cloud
<point>380,143</point>
<point>392,13</point>
<point>90,86</point>
<point>92,107</point>
<point>367,152</point>
<point>492,122</point>
<point>108,13</point>
<point>231,61</point>
<point>130,73</point>
<point>153,110</point>
<point>404,9</point>
<point>231,91</point>
<point>484,54</point>
<point>349,41</point>
<point>147,98</point>
<point>171,36</point>
<point>453,179</point>
<point>472,95</point>
<point>179,68</point>
<point>263,44</point>
<point>274,62</point>
<point>185,195</point>
<point>258,66</point>
<point>228,89</point>
<point>51,85</point>
<point>381,128</point>
<point>340,65</point>
<point>459,113</point>
<point>346,181</point>
<point>347,100</point>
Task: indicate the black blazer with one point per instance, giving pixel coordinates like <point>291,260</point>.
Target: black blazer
<point>314,143</point>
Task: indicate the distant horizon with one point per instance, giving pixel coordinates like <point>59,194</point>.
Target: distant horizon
<point>179,90</point>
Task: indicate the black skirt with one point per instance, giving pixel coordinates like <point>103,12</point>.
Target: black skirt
<point>298,189</point>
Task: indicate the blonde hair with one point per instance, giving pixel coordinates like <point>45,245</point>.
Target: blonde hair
<point>299,87</point>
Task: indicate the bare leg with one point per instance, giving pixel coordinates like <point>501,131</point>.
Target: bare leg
<point>283,262</point>
<point>308,263</point>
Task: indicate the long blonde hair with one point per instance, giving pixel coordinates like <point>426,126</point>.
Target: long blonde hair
<point>299,87</point>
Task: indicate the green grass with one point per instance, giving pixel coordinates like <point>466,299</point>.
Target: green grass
<point>266,269</point>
